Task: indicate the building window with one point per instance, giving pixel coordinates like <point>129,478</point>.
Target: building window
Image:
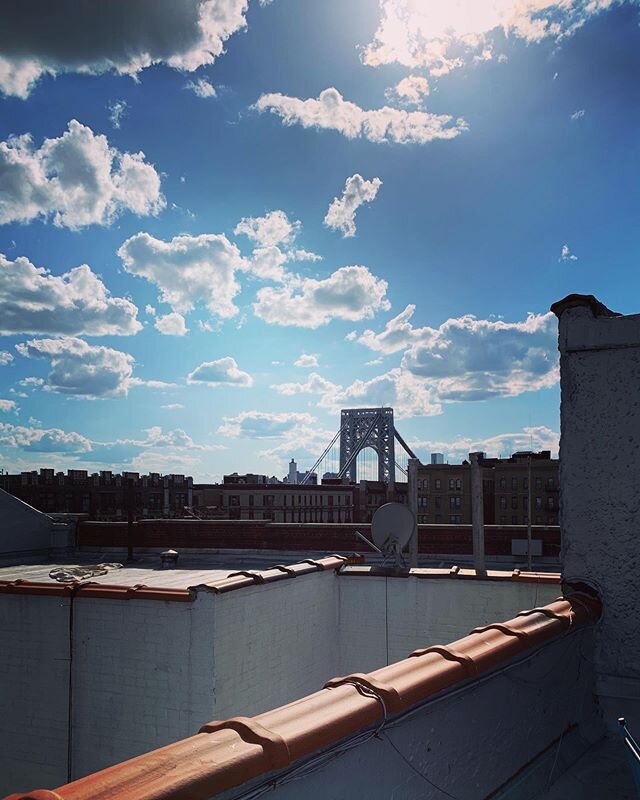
<point>514,484</point>
<point>551,484</point>
<point>525,483</point>
<point>514,503</point>
<point>251,500</point>
<point>538,483</point>
<point>538,503</point>
<point>438,502</point>
<point>438,483</point>
<point>503,483</point>
<point>455,519</point>
<point>459,484</point>
<point>550,502</point>
<point>234,500</point>
<point>503,504</point>
<point>452,484</point>
<point>503,520</point>
<point>525,502</point>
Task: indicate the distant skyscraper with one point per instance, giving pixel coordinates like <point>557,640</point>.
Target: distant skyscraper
<point>437,458</point>
<point>293,472</point>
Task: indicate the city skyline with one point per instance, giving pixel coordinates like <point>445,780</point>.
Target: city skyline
<point>215,239</point>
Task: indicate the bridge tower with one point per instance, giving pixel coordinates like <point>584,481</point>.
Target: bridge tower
<point>367,427</point>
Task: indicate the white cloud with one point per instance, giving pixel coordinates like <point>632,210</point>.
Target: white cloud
<point>303,442</point>
<point>349,293</point>
<point>32,300</point>
<point>172,406</point>
<point>188,270</point>
<point>441,35</point>
<point>75,180</point>
<point>538,437</point>
<point>263,424</point>
<point>341,214</point>
<point>78,368</point>
<point>221,371</point>
<point>8,405</point>
<point>475,359</point>
<point>149,310</point>
<point>117,110</point>
<point>273,229</point>
<point>566,254</point>
<point>5,358</point>
<point>202,88</point>
<point>41,440</point>
<point>397,335</point>
<point>121,38</point>
<point>332,112</point>
<point>267,263</point>
<point>171,325</point>
<point>166,451</point>
<point>578,114</point>
<point>397,388</point>
<point>315,384</point>
<point>306,360</point>
<point>410,90</point>
<point>303,255</point>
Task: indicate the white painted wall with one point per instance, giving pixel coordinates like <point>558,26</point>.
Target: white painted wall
<point>472,743</point>
<point>148,672</point>
<point>421,612</point>
<point>274,643</point>
<point>143,676</point>
<point>600,487</point>
<point>22,527</point>
<point>34,683</point>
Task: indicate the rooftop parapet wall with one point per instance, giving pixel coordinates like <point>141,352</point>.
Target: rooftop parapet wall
<point>24,529</point>
<point>600,481</point>
<point>366,709</point>
<point>152,663</point>
<point>262,535</point>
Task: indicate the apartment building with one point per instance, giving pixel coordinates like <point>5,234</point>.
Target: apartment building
<point>104,495</point>
<point>444,491</point>
<point>334,502</point>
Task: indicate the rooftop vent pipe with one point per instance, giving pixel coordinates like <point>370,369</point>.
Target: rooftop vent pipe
<point>169,559</point>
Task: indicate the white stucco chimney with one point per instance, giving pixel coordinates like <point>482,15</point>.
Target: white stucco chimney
<point>600,485</point>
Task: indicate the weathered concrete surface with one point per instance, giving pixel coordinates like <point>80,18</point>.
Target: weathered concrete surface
<point>23,529</point>
<point>600,486</point>
<point>469,744</point>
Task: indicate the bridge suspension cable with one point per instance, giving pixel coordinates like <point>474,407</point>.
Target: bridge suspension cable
<point>307,477</point>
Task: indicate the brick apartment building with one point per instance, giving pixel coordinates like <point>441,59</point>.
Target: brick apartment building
<point>444,491</point>
<point>103,495</point>
<point>444,494</point>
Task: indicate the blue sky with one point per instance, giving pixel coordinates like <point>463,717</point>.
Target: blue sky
<point>289,208</point>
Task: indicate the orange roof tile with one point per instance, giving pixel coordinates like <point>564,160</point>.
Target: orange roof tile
<point>235,580</point>
<point>228,753</point>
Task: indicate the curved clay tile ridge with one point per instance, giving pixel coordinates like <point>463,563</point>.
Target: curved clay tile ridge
<point>228,753</point>
<point>235,580</point>
<point>457,572</point>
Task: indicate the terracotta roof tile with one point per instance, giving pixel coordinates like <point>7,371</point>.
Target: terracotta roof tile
<point>235,580</point>
<point>228,753</point>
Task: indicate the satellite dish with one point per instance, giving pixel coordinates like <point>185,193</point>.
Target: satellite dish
<point>391,528</point>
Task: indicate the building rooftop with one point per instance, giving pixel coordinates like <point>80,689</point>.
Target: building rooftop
<point>267,751</point>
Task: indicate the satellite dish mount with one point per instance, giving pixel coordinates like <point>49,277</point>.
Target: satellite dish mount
<point>392,526</point>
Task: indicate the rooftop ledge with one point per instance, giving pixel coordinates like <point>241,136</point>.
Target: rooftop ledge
<point>98,589</point>
<point>226,754</point>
